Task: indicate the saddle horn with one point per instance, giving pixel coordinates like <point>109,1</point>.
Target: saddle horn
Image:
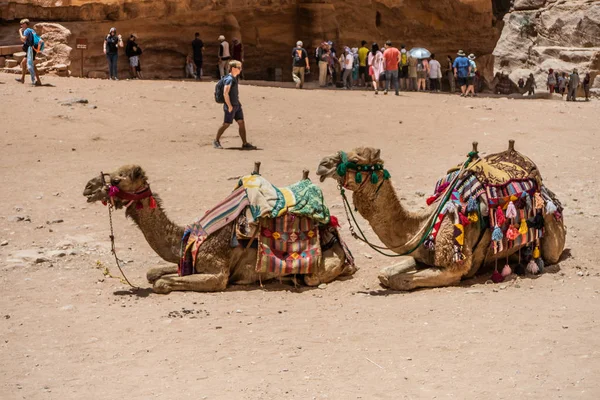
<point>305,173</point>
<point>256,168</point>
<point>511,145</point>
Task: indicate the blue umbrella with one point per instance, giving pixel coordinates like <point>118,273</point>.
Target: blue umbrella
<point>419,52</point>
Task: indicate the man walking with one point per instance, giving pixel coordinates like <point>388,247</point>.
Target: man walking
<point>573,85</point>
<point>232,107</point>
<point>26,36</point>
<point>392,58</point>
<point>300,64</point>
<point>198,48</point>
<point>224,56</point>
<point>462,69</point>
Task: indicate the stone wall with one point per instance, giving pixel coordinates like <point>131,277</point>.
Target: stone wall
<point>268,29</point>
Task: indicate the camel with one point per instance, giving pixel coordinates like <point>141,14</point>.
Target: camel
<point>502,84</point>
<point>217,262</point>
<point>399,229</point>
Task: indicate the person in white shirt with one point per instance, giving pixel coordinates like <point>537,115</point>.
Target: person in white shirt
<point>435,74</point>
<point>348,62</point>
<point>224,56</point>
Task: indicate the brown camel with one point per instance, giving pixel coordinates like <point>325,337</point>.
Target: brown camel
<point>217,263</point>
<point>400,229</point>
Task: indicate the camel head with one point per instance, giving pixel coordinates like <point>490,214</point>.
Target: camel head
<point>127,179</point>
<point>354,168</point>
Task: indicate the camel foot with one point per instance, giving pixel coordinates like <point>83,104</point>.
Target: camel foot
<point>404,265</point>
<point>411,278</point>
<point>162,286</point>
<point>155,274</point>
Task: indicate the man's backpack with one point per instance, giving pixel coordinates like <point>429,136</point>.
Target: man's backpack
<point>219,90</point>
<point>38,43</point>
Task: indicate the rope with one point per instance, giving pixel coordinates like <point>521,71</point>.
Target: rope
<point>428,226</point>
<point>113,250</point>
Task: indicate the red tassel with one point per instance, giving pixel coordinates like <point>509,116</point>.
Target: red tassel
<point>152,202</point>
<point>500,217</point>
<point>497,277</point>
<point>104,202</point>
<point>333,221</point>
<point>431,199</point>
<point>463,220</point>
<point>139,205</point>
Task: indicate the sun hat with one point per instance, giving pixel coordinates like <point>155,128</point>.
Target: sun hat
<point>472,56</point>
<point>461,53</point>
<point>221,38</point>
<point>299,43</point>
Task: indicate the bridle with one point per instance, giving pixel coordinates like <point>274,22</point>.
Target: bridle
<point>131,197</point>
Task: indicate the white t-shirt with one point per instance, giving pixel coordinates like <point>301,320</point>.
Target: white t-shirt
<point>349,61</point>
<point>435,69</point>
<point>225,46</point>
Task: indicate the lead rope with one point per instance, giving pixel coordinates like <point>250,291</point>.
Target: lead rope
<point>112,247</point>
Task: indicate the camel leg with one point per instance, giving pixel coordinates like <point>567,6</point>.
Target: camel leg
<point>196,283</point>
<point>479,253</point>
<point>155,273</point>
<point>429,277</point>
<point>553,241</point>
<point>332,266</point>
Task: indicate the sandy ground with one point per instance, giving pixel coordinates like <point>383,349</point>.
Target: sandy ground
<point>68,332</point>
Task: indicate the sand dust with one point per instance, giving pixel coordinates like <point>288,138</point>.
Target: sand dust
<point>69,332</point>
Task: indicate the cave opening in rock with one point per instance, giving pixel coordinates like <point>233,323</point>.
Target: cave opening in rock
<point>377,19</point>
<point>500,8</point>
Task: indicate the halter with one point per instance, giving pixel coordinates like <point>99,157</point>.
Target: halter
<point>343,168</point>
<point>114,191</point>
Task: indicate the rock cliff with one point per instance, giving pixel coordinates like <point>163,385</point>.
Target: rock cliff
<point>543,34</point>
<point>267,28</point>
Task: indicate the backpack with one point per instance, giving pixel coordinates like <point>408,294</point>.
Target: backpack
<point>403,59</point>
<point>38,42</point>
<point>298,55</point>
<point>219,89</point>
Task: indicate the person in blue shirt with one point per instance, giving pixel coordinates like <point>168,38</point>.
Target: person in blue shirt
<point>26,36</point>
<point>232,106</point>
<point>462,70</point>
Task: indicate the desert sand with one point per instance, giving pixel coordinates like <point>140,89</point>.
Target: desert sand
<point>67,331</point>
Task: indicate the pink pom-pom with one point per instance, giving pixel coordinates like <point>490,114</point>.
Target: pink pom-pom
<point>511,210</point>
<point>113,190</point>
<point>497,277</point>
<point>506,271</point>
<point>532,267</point>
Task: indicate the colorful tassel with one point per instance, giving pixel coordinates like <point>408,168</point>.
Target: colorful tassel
<point>374,178</point>
<point>528,203</point>
<point>497,277</point>
<point>386,174</point>
<point>472,205</point>
<point>536,252</point>
<point>358,177</point>
<point>523,228</point>
<point>463,220</point>
<point>497,234</point>
<point>536,222</point>
<point>512,233</point>
<point>473,217</point>
<point>540,264</point>
<point>539,201</point>
<point>448,208</point>
<point>333,221</point>
<point>506,271</point>
<point>152,202</point>
<point>520,269</point>
<point>113,190</point>
<point>532,268</point>
<point>500,217</point>
<point>511,210</point>
<point>551,207</point>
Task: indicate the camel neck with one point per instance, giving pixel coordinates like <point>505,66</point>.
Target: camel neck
<point>162,234</point>
<point>390,220</point>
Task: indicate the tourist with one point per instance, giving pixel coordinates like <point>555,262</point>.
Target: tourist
<point>412,72</point>
<point>551,81</point>
<point>450,74</point>
<point>28,62</point>
<point>462,70</point>
<point>573,85</point>
<point>198,52</point>
<point>348,63</point>
<point>521,83</point>
<point>224,56</point>
<point>422,66</point>
<point>586,86</point>
<point>363,54</point>
<point>232,107</point>
<point>323,62</point>
<point>562,83</point>
<point>333,64</point>
<point>392,58</point>
<point>133,52</point>
<point>112,42</point>
<point>435,74</point>
<point>190,71</point>
<point>375,65</point>
<point>403,71</point>
<point>531,86</point>
<point>472,76</point>
<point>355,66</point>
<point>300,64</point>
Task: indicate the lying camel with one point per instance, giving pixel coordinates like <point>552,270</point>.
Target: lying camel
<point>217,263</point>
<point>400,229</point>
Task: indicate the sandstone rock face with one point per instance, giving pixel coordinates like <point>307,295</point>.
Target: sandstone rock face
<point>543,34</point>
<point>268,29</point>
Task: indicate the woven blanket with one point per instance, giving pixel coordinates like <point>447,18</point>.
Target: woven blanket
<point>257,199</point>
<point>288,245</point>
<point>486,188</point>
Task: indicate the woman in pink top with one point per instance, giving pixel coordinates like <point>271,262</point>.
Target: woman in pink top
<point>375,61</point>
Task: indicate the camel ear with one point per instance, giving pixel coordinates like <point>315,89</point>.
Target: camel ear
<point>376,155</point>
<point>137,173</point>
